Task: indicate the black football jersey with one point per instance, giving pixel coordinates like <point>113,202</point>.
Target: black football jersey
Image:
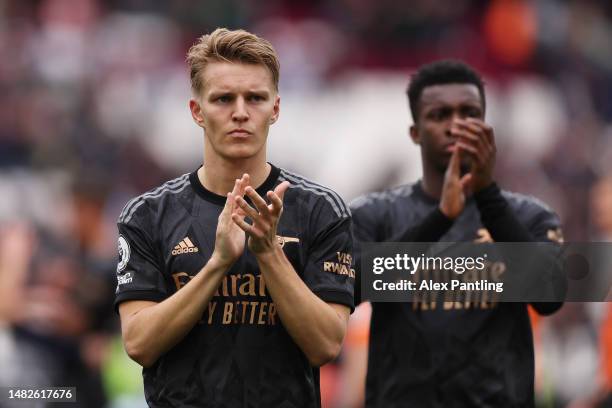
<point>443,354</point>
<point>239,354</point>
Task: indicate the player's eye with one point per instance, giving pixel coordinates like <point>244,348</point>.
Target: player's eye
<point>439,114</point>
<point>224,99</point>
<point>472,112</point>
<point>256,98</point>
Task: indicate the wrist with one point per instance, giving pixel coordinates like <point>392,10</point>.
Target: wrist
<point>445,212</point>
<point>218,261</point>
<point>489,190</point>
<point>270,255</point>
<point>484,185</point>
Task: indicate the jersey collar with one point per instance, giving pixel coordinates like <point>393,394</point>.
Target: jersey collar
<point>208,195</point>
<point>420,192</point>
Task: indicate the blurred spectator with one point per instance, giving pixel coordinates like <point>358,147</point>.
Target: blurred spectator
<point>55,301</point>
<point>601,210</point>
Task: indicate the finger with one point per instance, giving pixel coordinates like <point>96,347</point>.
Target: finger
<point>229,203</point>
<point>239,211</point>
<point>259,202</point>
<point>478,128</point>
<point>276,204</point>
<point>241,223</point>
<point>469,132</point>
<point>478,160</point>
<point>276,197</point>
<point>471,137</point>
<point>470,150</point>
<point>238,191</point>
<point>246,227</point>
<point>228,210</point>
<point>487,130</point>
<point>281,189</point>
<point>237,186</point>
<point>474,121</point>
<point>246,208</point>
<point>466,181</point>
<point>486,151</point>
<point>490,137</point>
<point>454,166</point>
<point>240,184</point>
<point>245,181</point>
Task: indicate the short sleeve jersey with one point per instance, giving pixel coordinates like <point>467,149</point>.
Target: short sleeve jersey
<point>447,354</point>
<point>238,354</point>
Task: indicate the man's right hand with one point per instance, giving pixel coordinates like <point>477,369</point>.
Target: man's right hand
<point>230,239</point>
<point>454,189</point>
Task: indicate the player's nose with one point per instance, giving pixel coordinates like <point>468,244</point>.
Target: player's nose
<point>452,124</point>
<point>240,110</point>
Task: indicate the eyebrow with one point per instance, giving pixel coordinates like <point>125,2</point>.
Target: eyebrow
<point>218,93</point>
<point>440,104</point>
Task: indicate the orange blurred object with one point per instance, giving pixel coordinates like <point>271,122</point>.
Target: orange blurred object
<point>606,349</point>
<point>510,27</point>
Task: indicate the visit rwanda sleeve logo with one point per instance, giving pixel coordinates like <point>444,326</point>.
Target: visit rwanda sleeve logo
<point>124,253</point>
<point>341,265</point>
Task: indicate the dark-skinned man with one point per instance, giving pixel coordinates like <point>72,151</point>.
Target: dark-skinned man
<point>444,354</point>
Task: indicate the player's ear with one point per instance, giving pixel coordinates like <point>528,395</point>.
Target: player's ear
<point>414,134</point>
<point>275,109</point>
<point>196,112</point>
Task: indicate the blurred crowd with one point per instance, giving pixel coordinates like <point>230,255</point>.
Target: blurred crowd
<point>93,111</point>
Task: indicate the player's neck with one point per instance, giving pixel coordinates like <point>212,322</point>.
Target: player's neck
<point>218,176</point>
<point>432,182</point>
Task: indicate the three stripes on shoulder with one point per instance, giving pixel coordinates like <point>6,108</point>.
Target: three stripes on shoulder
<point>180,183</point>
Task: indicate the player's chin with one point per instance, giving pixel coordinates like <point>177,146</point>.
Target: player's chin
<point>241,151</point>
<point>442,162</point>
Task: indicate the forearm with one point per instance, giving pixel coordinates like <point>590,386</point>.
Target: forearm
<point>498,218</point>
<point>11,292</point>
<point>431,229</point>
<point>151,331</point>
<point>15,256</point>
<point>503,225</point>
<point>316,327</point>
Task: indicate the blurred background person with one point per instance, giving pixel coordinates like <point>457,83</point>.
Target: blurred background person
<point>54,319</point>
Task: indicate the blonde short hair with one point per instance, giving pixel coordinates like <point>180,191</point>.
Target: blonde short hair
<point>230,46</point>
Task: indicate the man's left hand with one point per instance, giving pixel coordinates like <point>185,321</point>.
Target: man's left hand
<point>264,217</point>
<point>477,140</point>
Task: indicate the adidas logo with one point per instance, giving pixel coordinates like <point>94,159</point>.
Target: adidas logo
<point>184,247</point>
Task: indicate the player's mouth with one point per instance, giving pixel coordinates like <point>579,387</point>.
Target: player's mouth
<point>450,147</point>
<point>240,133</point>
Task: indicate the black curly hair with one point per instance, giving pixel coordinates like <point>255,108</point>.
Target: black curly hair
<point>441,73</point>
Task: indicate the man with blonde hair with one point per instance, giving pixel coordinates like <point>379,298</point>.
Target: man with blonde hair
<point>235,282</point>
